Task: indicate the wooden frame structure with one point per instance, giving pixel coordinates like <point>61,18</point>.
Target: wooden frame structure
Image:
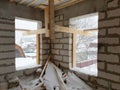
<point>51,28</point>
<point>43,6</point>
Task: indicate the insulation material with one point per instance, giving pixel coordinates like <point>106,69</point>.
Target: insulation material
<point>50,78</point>
<point>30,84</point>
<point>53,79</point>
<point>74,83</point>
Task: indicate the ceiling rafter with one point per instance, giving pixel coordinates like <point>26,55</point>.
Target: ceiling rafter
<point>54,1</point>
<point>21,1</point>
<point>12,0</point>
<point>41,6</point>
<point>66,4</point>
<point>57,7</point>
<point>32,2</point>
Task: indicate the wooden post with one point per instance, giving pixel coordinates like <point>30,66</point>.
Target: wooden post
<point>38,48</point>
<point>46,10</point>
<point>51,19</point>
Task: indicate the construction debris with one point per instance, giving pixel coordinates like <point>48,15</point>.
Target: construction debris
<point>52,78</point>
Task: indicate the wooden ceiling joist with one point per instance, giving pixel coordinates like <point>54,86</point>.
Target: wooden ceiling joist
<point>42,6</point>
<point>54,1</point>
<point>21,1</point>
<point>66,4</point>
<point>31,3</point>
<point>12,0</point>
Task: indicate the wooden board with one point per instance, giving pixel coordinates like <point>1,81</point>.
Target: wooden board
<point>21,1</point>
<point>31,3</point>
<point>46,10</point>
<point>42,6</point>
<point>32,32</point>
<point>70,30</point>
<point>58,29</point>
<point>38,48</point>
<point>51,19</point>
<point>66,4</point>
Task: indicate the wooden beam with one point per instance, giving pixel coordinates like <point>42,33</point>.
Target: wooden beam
<point>70,30</point>
<point>66,4</point>
<point>38,49</point>
<point>46,10</point>
<point>42,6</point>
<point>54,1</point>
<point>32,32</point>
<point>51,19</point>
<point>21,1</point>
<point>12,0</point>
<point>58,29</point>
<point>31,3</point>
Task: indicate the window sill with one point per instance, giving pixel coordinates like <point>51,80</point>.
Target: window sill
<point>25,63</point>
<point>27,67</point>
<point>86,71</point>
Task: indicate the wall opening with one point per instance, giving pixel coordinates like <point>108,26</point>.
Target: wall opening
<point>26,45</point>
<point>85,59</point>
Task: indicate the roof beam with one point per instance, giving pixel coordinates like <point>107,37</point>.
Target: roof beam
<point>12,0</point>
<point>54,1</point>
<point>66,4</point>
<point>31,3</point>
<point>42,6</point>
<point>21,1</point>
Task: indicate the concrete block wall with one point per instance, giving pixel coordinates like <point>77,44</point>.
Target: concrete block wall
<point>8,12</point>
<point>44,49</point>
<point>108,42</point>
<point>108,50</point>
<point>7,54</point>
<point>61,45</point>
<point>7,44</point>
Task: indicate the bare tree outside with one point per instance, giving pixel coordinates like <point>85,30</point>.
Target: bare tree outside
<point>86,45</point>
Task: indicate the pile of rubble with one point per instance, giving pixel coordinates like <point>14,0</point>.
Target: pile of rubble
<point>52,78</point>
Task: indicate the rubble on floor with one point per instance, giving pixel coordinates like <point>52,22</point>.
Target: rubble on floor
<point>53,79</point>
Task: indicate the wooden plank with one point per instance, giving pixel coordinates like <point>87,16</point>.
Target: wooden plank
<point>56,1</point>
<point>31,3</point>
<point>74,51</point>
<point>21,1</point>
<point>51,19</point>
<point>66,4</point>
<point>62,84</point>
<point>12,0</point>
<point>42,6</point>
<point>32,32</point>
<point>46,20</point>
<point>70,30</point>
<point>38,49</point>
<point>48,59</point>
